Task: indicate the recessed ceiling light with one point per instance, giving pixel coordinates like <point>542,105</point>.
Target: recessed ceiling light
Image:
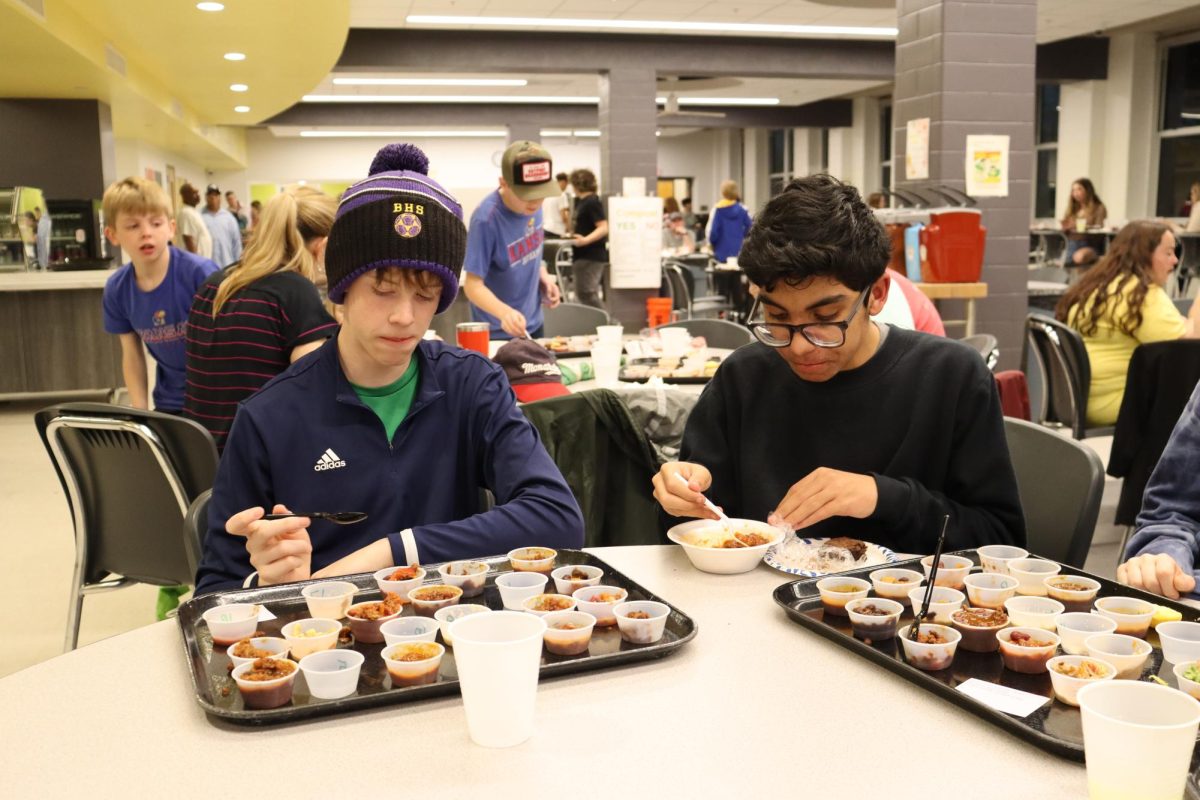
<point>578,134</point>
<point>210,6</point>
<point>241,109</point>
<point>451,98</point>
<point>235,56</point>
<point>430,82</point>
<point>656,26</point>
<point>238,87</point>
<point>352,134</point>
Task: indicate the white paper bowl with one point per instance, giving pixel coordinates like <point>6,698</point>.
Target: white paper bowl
<point>724,560</point>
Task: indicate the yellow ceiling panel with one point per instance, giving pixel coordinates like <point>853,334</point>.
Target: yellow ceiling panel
<point>159,64</point>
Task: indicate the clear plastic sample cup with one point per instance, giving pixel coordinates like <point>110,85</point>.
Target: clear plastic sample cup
<point>1137,739</point>
<point>331,674</point>
<point>516,587</point>
<point>498,656</point>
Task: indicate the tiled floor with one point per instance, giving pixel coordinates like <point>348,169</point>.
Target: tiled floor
<point>37,539</point>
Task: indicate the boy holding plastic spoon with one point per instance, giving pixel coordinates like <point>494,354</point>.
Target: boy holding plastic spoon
<point>832,423</point>
<point>379,420</point>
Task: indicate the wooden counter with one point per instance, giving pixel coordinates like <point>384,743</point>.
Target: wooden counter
<point>52,335</point>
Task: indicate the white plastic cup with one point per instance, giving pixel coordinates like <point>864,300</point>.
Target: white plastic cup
<point>1075,628</point>
<point>674,341</point>
<point>609,334</point>
<point>329,600</point>
<point>606,358</point>
<point>1180,641</point>
<point>498,656</point>
<point>331,674</point>
<point>516,587</point>
<point>1137,739</point>
<point>410,629</point>
<point>995,557</point>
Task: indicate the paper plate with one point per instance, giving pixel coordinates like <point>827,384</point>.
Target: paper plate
<point>876,555</point>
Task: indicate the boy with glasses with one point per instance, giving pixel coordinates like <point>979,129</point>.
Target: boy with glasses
<point>833,423</point>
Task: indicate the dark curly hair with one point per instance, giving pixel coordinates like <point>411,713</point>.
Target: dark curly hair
<point>1130,255</point>
<point>816,226</point>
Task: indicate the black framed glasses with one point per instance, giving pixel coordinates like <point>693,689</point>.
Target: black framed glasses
<point>819,334</point>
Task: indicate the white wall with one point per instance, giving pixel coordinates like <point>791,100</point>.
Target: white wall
<point>701,156</point>
<point>134,157</point>
<point>854,151</point>
<point>1106,131</point>
<point>467,168</point>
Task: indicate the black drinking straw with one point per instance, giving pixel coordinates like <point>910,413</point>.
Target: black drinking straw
<point>915,629</point>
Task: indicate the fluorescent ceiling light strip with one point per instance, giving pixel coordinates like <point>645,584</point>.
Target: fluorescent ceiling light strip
<point>722,101</point>
<point>559,134</point>
<point>666,26</point>
<point>430,82</point>
<point>451,98</point>
<point>348,134</point>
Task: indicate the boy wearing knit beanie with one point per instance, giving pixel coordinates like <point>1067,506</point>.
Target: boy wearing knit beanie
<point>382,421</point>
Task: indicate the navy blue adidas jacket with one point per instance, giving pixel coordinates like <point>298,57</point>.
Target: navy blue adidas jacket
<point>307,441</point>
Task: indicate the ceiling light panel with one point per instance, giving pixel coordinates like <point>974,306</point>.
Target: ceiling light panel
<point>430,82</point>
<point>452,98</point>
<point>657,26</point>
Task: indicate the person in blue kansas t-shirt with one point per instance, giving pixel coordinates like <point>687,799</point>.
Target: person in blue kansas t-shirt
<point>506,281</point>
<point>147,301</point>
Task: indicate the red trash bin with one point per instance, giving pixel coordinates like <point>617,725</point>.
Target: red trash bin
<point>954,243</point>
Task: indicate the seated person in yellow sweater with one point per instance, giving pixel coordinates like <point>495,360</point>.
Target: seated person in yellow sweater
<point>1122,302</point>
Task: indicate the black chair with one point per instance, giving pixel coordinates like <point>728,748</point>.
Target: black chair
<point>1160,381</point>
<point>195,524</point>
<point>986,345</point>
<point>129,477</point>
<point>682,297</point>
<point>717,332</point>
<point>560,254</point>
<point>1060,482</point>
<point>573,319</point>
<point>1058,355</point>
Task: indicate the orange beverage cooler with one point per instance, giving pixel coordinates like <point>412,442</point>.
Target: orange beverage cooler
<point>954,243</point>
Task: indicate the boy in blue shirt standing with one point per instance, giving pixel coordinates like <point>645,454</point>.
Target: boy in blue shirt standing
<point>506,281</point>
<point>147,301</point>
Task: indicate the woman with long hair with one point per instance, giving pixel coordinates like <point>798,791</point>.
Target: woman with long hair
<point>1085,211</point>
<point>254,318</point>
<point>1121,303</point>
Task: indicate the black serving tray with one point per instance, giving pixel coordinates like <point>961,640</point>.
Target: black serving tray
<point>1055,727</point>
<point>218,695</point>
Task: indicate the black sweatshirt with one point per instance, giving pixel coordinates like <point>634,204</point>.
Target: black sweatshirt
<point>922,416</point>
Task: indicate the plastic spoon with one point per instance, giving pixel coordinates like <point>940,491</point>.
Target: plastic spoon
<point>336,517</point>
<point>713,508</point>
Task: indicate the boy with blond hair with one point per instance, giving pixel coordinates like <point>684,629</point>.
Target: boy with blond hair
<point>148,299</point>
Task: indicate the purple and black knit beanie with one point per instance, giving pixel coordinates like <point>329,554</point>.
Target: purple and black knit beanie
<point>397,217</point>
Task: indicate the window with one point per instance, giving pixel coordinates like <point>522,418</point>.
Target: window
<point>885,143</point>
<point>1179,132</point>
<point>1045,181</point>
<point>780,158</point>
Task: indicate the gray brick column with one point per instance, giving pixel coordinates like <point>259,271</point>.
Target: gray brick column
<point>968,65</point>
<point>628,148</point>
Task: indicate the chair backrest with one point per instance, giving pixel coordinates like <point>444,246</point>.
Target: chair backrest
<point>1060,482</point>
<point>445,324</point>
<point>1184,304</point>
<point>560,254</point>
<point>986,345</point>
<point>1066,371</point>
<point>129,476</point>
<point>717,332</point>
<point>681,295</point>
<point>573,319</point>
<point>195,523</point>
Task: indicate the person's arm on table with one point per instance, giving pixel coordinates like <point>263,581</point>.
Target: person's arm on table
<point>706,462</point>
<point>238,541</point>
<point>511,320</point>
<point>133,369</point>
<point>1162,553</point>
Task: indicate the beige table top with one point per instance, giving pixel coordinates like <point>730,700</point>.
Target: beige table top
<point>953,291</point>
<point>40,281</point>
<point>754,705</point>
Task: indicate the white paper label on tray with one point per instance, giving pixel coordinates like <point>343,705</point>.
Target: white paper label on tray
<point>264,614</point>
<point>1002,698</point>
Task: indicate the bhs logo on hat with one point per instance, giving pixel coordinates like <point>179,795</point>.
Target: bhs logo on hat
<point>408,225</point>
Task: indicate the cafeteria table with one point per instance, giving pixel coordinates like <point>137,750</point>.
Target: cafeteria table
<point>755,705</point>
<point>967,292</point>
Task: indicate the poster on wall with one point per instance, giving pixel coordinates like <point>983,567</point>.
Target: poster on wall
<point>916,150</point>
<point>172,188</point>
<point>987,166</point>
<point>635,242</point>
